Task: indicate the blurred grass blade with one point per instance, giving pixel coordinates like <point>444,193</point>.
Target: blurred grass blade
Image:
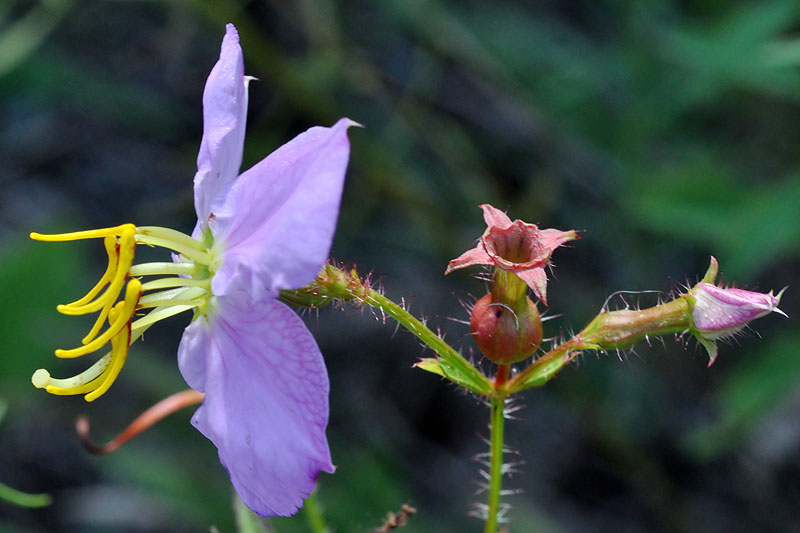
<point>23,499</point>
<point>246,520</point>
<point>25,35</point>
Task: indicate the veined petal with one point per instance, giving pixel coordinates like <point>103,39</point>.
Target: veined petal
<point>266,404</point>
<point>719,312</point>
<point>277,225</point>
<point>224,117</point>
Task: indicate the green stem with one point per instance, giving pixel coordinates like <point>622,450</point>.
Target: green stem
<point>313,512</point>
<point>23,499</point>
<point>495,462</point>
<point>337,284</point>
<point>423,333</point>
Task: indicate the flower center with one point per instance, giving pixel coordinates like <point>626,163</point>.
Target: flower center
<point>514,246</point>
<point>180,286</point>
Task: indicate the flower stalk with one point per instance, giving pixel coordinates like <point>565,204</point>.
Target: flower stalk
<point>147,419</point>
<point>497,423</point>
<point>337,284</point>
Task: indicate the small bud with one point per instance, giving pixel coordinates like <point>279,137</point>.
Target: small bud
<point>505,322</point>
<point>720,312</point>
<point>332,284</point>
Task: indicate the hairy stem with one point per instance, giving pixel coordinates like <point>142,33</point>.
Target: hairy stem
<point>336,284</point>
<point>495,462</point>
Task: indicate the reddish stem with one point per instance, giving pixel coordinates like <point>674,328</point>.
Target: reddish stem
<point>503,373</point>
<point>161,410</point>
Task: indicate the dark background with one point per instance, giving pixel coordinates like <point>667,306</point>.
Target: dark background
<point>668,130</point>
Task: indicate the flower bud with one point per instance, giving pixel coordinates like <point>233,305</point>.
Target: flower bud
<point>719,312</point>
<point>505,322</point>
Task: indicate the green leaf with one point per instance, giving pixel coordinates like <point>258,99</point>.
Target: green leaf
<point>468,380</point>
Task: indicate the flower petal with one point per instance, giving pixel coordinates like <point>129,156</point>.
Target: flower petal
<point>277,224</point>
<point>266,404</point>
<point>475,256</point>
<point>536,279</point>
<point>494,217</point>
<point>720,312</point>
<point>224,117</point>
<point>195,341</point>
<point>553,238</point>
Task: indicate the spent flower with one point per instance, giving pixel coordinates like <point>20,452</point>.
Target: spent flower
<point>517,247</point>
<point>268,229</point>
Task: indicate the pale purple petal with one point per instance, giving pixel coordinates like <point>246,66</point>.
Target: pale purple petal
<point>195,341</point>
<point>277,225</point>
<point>266,404</point>
<point>719,312</point>
<point>224,117</point>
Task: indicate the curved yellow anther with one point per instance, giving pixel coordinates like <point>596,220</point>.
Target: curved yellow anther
<point>79,235</point>
<point>111,250</point>
<point>120,344</point>
<point>123,312</point>
<point>127,247</point>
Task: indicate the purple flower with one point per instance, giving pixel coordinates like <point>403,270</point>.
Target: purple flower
<point>264,379</point>
<point>719,312</point>
<point>266,404</point>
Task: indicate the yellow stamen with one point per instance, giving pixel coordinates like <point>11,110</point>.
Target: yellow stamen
<point>166,283</point>
<point>119,353</point>
<point>111,249</point>
<point>125,311</point>
<point>42,380</point>
<point>189,252</point>
<point>179,296</point>
<point>126,251</point>
<point>192,298</point>
<point>87,381</point>
<point>187,287</point>
<point>80,235</point>
<point>157,269</point>
<point>171,235</point>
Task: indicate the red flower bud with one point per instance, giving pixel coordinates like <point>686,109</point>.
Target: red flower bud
<point>506,332</point>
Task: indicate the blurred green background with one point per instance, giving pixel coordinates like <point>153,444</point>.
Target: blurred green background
<point>667,130</point>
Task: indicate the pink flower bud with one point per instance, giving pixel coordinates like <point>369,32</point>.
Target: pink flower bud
<point>719,312</point>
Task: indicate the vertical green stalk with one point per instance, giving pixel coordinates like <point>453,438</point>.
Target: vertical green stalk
<point>316,522</point>
<point>495,462</point>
